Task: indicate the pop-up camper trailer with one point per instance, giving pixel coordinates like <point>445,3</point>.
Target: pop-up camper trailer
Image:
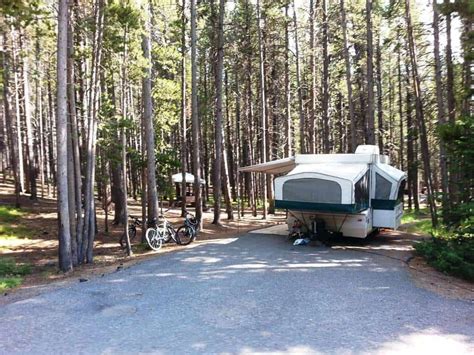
<point>352,194</point>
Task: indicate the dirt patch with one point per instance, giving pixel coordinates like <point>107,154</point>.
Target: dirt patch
<point>427,277</point>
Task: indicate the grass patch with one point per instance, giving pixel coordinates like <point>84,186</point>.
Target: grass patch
<point>417,222</point>
<point>9,227</point>
<point>11,273</point>
<point>140,248</point>
<point>10,214</point>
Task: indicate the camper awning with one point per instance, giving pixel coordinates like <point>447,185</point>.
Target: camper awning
<point>178,178</point>
<point>279,166</point>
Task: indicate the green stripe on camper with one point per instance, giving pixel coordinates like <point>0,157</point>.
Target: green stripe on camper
<point>378,204</point>
<point>323,207</point>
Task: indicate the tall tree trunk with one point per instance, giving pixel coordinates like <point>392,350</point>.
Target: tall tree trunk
<point>453,177</point>
<point>263,104</point>
<point>441,118</point>
<point>380,122</point>
<point>229,141</point>
<point>412,161</point>
<point>64,236</point>
<point>144,175</point>
<point>325,81</point>
<point>288,133</point>
<point>299,85</point>
<point>449,69</point>
<point>239,155</point>
<point>148,120</point>
<point>400,104</point>
<point>19,147</point>
<point>347,62</point>
<point>8,121</point>
<point>39,113</point>
<point>184,141</point>
<point>29,127</point>
<point>425,152</point>
<point>93,107</point>
<point>312,45</point>
<point>74,163</point>
<point>218,73</point>
<point>370,75</point>
<point>124,143</point>
<point>195,117</point>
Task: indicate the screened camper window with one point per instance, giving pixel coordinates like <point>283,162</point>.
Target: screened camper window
<point>361,191</point>
<point>382,187</point>
<point>312,190</point>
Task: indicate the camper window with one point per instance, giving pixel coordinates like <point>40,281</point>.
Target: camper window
<point>382,187</point>
<point>401,190</point>
<point>312,190</point>
<point>361,192</point>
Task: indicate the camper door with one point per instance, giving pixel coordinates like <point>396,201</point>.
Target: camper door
<point>387,200</point>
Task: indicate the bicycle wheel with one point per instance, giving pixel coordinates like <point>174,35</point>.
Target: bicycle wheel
<point>185,235</point>
<point>132,231</point>
<point>153,239</point>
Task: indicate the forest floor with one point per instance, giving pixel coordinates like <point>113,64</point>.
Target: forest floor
<point>29,239</point>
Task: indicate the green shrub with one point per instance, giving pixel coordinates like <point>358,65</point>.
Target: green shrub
<point>451,252</point>
<point>9,282</point>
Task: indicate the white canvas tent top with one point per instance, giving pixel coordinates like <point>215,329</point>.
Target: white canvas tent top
<point>322,183</point>
<point>178,178</point>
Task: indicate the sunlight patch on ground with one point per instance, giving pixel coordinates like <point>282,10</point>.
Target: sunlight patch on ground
<point>201,259</point>
<point>16,242</point>
<point>214,241</point>
<point>300,350</point>
<point>430,341</point>
<point>280,229</point>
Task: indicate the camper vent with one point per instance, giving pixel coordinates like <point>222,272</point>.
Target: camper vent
<point>367,149</point>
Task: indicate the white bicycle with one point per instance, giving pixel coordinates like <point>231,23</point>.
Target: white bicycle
<point>164,232</point>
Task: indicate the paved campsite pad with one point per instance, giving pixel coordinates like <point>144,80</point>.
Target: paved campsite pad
<point>257,293</point>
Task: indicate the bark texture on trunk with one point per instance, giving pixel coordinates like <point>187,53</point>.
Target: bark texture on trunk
<point>64,235</point>
<point>347,63</point>
<point>218,73</point>
<point>148,120</point>
<point>194,116</point>
<point>370,75</point>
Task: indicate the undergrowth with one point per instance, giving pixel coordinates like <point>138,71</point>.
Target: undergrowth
<point>451,251</point>
<point>12,273</point>
<point>9,226</point>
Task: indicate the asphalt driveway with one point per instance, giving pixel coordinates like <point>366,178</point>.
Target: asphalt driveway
<point>253,294</point>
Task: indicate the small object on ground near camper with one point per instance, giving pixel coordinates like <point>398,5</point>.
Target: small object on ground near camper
<point>301,241</point>
<point>296,231</point>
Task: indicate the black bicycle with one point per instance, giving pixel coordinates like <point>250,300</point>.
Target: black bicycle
<point>132,230</point>
<point>187,233</point>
